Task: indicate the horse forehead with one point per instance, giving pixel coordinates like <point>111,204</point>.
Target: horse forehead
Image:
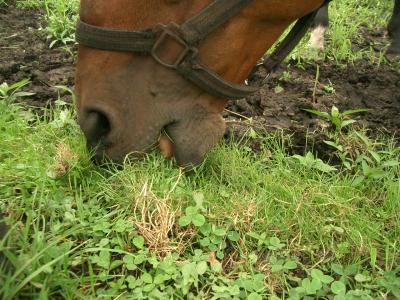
<point>138,13</point>
<point>122,5</point>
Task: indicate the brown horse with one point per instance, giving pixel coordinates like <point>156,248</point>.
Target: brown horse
<point>125,100</point>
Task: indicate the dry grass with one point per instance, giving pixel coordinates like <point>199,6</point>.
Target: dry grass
<point>63,161</point>
<point>155,220</point>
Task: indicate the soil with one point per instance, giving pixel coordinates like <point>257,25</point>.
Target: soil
<point>25,54</point>
<point>279,104</point>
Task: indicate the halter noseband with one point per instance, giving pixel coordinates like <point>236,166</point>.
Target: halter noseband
<point>187,37</point>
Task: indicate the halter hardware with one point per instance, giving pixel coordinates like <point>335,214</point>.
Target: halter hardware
<point>168,33</point>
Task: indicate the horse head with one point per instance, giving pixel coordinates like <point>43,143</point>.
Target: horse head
<point>126,99</point>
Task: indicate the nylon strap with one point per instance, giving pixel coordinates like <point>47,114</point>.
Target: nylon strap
<point>210,18</point>
<point>284,48</point>
<point>188,36</point>
<point>114,39</point>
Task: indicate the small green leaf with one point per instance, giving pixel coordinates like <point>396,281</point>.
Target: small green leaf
<point>184,221</point>
<point>290,265</point>
<point>139,259</point>
<point>338,287</point>
<point>335,112</point>
<point>341,297</point>
<point>160,278</point>
<point>216,266</point>
<point>191,210</point>
<point>254,296</point>
<point>198,198</point>
<point>321,114</point>
<point>122,225</point>
<point>276,268</point>
<point>348,122</point>
<point>319,275</point>
<point>129,262</point>
<point>362,278</point>
<point>219,232</point>
<point>205,229</point>
<point>220,254</point>
<point>233,236</point>
<point>201,267</point>
<point>215,239</point>
<point>358,180</point>
<point>373,254</point>
<point>198,220</point>
<point>213,247</point>
<point>351,269</point>
<point>102,260</point>
<point>306,284</point>
<point>323,167</point>
<point>131,281</point>
<point>189,270</point>
<point>390,163</point>
<point>149,287</point>
<point>224,193</point>
<point>278,89</point>
<point>275,244</point>
<point>147,278</point>
<point>316,284</point>
<point>138,242</point>
<point>115,264</point>
<point>205,242</point>
<point>253,258</point>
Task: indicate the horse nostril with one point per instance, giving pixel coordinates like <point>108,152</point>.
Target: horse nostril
<point>96,127</point>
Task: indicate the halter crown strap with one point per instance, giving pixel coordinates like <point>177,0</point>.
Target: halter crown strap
<point>187,36</point>
<point>210,18</point>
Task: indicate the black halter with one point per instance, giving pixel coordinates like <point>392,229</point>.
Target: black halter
<point>187,38</point>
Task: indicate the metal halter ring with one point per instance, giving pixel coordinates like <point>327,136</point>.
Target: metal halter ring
<point>168,32</point>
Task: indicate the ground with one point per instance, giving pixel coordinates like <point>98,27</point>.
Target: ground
<point>274,223</point>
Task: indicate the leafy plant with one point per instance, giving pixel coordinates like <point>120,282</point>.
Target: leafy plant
<point>10,92</point>
<point>311,162</point>
<point>61,17</point>
<point>335,117</point>
<point>264,241</point>
<point>329,88</point>
<point>214,238</point>
<point>282,264</point>
<point>193,214</point>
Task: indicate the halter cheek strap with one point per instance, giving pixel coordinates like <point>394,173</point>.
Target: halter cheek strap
<point>185,39</point>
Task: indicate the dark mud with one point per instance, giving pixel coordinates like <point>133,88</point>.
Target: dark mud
<point>279,104</point>
<point>25,54</point>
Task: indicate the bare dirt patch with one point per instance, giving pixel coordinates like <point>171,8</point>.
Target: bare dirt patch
<point>25,53</point>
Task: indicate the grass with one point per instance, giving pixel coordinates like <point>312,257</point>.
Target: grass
<point>243,225</point>
<point>348,21</point>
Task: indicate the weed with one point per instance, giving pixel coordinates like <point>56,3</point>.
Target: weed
<point>9,93</point>
<point>337,118</point>
<point>311,162</point>
<point>329,88</point>
<point>356,152</point>
<point>61,18</point>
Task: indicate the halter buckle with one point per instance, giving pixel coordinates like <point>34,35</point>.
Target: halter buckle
<point>168,34</point>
